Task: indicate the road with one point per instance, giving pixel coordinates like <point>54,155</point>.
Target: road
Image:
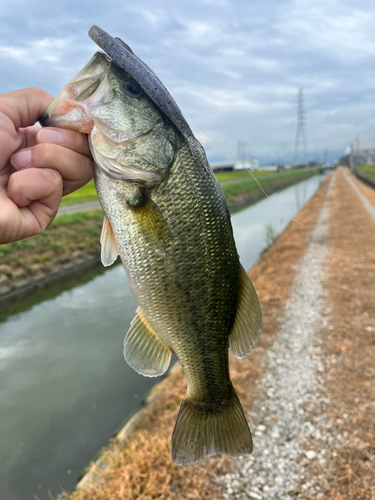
<point>82,207</point>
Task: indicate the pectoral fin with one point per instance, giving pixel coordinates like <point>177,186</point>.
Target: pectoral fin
<point>247,325</point>
<point>143,348</point>
<point>107,240</point>
<point>152,222</point>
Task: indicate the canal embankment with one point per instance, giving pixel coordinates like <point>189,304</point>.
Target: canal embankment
<point>65,386</point>
<point>71,244</point>
<point>140,466</point>
<point>240,194</point>
<point>307,389</point>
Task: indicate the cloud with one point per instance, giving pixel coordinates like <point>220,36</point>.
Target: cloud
<point>235,65</point>
<point>45,50</point>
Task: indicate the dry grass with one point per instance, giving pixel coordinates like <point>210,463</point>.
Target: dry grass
<point>143,468</point>
<point>349,341</point>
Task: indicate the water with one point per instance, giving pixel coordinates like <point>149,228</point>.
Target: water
<point>64,386</point>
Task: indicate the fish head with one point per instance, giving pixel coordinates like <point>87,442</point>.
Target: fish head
<point>72,108</point>
<point>130,137</point>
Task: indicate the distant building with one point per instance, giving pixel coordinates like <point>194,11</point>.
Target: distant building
<point>283,166</point>
<point>246,164</point>
<point>359,153</point>
<point>271,168</point>
<point>222,166</point>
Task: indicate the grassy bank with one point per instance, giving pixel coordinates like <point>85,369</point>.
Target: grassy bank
<point>76,235</point>
<point>243,175</point>
<point>366,173</point>
<point>85,194</point>
<point>69,236</point>
<point>232,183</point>
<point>238,194</point>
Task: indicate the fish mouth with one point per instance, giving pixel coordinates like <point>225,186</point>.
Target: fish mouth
<point>66,113</point>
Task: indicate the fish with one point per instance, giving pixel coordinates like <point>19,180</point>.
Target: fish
<point>166,217</point>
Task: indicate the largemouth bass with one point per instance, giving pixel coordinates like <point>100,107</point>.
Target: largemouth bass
<point>165,215</point>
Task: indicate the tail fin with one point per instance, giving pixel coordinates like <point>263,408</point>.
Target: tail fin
<point>200,433</point>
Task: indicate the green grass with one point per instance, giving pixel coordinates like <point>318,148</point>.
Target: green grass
<point>64,219</point>
<point>85,194</point>
<point>80,231</point>
<point>367,172</point>
<point>67,234</point>
<point>88,194</point>
<point>243,175</point>
<point>278,179</point>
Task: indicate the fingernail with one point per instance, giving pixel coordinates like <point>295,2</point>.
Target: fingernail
<point>21,159</point>
<point>50,135</point>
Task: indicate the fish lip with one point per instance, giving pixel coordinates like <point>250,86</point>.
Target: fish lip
<point>52,118</point>
<point>43,117</point>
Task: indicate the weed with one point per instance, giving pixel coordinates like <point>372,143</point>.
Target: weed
<point>44,257</point>
<point>270,235</point>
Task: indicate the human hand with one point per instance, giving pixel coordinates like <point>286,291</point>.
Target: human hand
<point>37,166</point>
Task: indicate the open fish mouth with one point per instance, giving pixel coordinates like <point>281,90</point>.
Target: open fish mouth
<point>64,112</point>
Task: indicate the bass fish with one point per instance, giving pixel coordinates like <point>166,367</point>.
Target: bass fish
<point>166,217</point>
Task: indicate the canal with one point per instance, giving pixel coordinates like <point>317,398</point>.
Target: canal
<point>65,388</point>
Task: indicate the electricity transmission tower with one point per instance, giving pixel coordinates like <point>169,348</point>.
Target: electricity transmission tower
<point>300,152</point>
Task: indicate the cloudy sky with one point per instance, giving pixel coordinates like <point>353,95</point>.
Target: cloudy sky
<point>234,66</point>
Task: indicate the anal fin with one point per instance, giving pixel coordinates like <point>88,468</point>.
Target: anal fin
<point>247,325</point>
<point>109,251</point>
<point>143,348</point>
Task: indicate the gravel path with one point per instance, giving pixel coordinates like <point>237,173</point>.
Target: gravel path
<point>283,444</point>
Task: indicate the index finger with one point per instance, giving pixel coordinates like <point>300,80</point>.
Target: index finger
<point>19,109</point>
<point>24,107</point>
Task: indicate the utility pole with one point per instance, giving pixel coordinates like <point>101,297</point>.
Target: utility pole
<point>241,152</point>
<point>300,151</point>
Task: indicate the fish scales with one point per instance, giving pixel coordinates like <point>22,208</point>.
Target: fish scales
<point>165,215</point>
<point>190,206</point>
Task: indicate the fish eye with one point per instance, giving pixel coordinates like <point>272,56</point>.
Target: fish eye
<point>132,88</point>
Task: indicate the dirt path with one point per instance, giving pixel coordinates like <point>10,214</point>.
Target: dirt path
<point>315,414</point>
<point>308,388</point>
<point>281,440</point>
<point>81,207</point>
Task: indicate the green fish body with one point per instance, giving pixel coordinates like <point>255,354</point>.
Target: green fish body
<point>165,215</point>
